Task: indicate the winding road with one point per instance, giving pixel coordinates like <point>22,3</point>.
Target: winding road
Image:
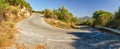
<point>35,31</point>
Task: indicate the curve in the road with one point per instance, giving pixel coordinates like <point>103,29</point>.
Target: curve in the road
<point>34,30</point>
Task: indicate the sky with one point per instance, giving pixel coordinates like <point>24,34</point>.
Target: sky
<point>78,8</point>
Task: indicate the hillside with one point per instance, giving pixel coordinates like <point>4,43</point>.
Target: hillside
<point>11,12</point>
<point>60,17</point>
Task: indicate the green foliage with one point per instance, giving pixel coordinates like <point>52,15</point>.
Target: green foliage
<point>117,17</point>
<point>8,18</point>
<point>65,15</point>
<point>17,2</point>
<point>89,22</point>
<point>117,14</point>
<point>56,13</point>
<point>75,20</point>
<point>102,17</point>
<point>47,13</point>
<point>112,24</point>
<point>5,4</point>
<point>36,11</point>
<point>61,14</point>
<point>13,2</point>
<point>86,20</point>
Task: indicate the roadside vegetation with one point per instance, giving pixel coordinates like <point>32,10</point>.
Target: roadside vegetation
<point>102,18</point>
<point>107,19</point>
<point>11,12</point>
<point>86,20</point>
<point>60,17</point>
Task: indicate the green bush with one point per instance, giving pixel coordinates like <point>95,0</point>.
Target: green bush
<point>61,14</point>
<point>112,24</point>
<point>102,17</point>
<point>89,22</point>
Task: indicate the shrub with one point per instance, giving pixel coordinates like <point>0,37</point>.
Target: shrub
<point>102,17</point>
<point>112,24</point>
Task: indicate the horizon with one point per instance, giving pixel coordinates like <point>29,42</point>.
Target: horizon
<point>78,8</point>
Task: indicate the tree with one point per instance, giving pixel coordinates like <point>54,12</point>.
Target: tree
<point>117,17</point>
<point>117,14</point>
<point>75,20</point>
<point>61,14</point>
<point>56,13</point>
<point>47,13</point>
<point>102,17</point>
<point>64,14</point>
<point>112,24</point>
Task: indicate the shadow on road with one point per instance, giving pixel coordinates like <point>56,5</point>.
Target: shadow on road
<point>101,41</point>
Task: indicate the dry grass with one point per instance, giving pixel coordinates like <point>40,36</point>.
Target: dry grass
<point>57,23</point>
<point>20,46</point>
<point>60,24</point>
<point>8,29</point>
<point>7,26</point>
<point>7,32</point>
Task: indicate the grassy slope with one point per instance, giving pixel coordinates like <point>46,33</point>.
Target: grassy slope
<point>60,24</point>
<point>9,16</point>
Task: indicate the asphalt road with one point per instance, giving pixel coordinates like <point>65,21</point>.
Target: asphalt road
<point>34,31</point>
